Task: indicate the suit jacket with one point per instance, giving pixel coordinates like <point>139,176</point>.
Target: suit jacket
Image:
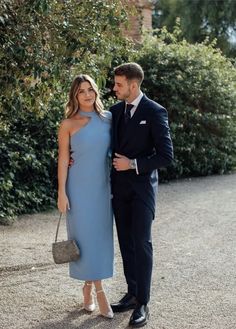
<point>146,139</point>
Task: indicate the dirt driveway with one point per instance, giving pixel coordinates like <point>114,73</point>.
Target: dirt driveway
<point>194,278</point>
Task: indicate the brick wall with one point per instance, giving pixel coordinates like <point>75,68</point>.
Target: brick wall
<point>140,18</point>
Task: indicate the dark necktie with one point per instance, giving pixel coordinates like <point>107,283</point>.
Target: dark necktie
<point>128,112</point>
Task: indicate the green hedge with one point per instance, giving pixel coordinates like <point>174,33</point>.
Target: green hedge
<point>55,41</point>
<point>194,82</point>
<point>197,85</point>
<point>28,153</point>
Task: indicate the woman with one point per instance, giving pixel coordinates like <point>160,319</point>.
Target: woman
<point>84,188</point>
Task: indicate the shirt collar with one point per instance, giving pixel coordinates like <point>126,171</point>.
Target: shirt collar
<point>137,100</point>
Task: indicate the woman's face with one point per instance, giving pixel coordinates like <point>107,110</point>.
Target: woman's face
<point>86,96</point>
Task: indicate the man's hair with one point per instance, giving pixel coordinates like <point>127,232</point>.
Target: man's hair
<point>130,71</point>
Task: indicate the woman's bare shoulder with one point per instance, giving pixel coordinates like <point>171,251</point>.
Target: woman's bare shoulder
<point>65,125</point>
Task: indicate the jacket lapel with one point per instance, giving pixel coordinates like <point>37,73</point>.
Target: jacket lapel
<point>137,116</point>
<point>118,115</point>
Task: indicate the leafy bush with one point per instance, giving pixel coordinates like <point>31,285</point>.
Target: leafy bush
<point>28,163</point>
<point>197,86</point>
<point>55,41</point>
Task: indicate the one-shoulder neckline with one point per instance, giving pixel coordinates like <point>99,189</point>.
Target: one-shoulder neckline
<point>79,130</point>
<point>90,113</point>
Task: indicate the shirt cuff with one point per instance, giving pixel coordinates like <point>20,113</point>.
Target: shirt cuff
<point>136,166</point>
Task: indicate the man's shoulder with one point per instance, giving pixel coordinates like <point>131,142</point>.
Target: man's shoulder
<point>116,106</point>
<point>152,106</point>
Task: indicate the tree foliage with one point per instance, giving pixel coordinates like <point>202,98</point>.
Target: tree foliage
<point>197,85</point>
<point>44,44</point>
<point>200,19</point>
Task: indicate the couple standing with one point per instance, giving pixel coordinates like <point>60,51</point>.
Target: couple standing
<point>136,130</point>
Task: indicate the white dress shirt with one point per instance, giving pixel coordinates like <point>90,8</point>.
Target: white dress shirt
<point>135,102</point>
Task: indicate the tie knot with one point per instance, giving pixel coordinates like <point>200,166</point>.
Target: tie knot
<point>129,107</point>
<point>127,112</point>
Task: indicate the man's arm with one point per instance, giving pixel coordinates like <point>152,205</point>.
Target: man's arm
<point>160,132</point>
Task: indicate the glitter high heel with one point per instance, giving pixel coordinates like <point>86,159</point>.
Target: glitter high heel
<point>88,304</point>
<point>109,313</point>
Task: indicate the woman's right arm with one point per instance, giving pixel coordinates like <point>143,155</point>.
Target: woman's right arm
<point>63,163</point>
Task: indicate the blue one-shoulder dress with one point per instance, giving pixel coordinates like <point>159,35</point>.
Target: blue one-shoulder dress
<point>89,220</point>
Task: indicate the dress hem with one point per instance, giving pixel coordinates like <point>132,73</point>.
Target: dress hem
<point>92,279</point>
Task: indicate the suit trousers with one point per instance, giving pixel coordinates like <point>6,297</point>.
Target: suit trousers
<point>133,222</point>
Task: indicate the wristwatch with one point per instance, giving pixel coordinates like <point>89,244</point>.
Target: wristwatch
<point>132,164</point>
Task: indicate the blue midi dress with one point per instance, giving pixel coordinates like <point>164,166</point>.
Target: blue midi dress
<point>89,220</point>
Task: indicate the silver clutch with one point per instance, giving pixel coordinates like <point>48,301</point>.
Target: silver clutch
<point>64,251</point>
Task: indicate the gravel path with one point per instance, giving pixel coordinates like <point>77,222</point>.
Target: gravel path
<point>194,278</point>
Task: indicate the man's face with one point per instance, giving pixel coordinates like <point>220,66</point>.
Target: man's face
<point>122,87</point>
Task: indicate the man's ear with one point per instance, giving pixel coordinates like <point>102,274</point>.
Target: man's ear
<point>134,85</point>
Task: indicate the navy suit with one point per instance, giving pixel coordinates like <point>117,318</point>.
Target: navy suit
<point>146,138</point>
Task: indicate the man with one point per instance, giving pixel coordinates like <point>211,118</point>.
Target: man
<point>141,144</point>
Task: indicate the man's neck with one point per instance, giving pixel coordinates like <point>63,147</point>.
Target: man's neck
<point>133,97</point>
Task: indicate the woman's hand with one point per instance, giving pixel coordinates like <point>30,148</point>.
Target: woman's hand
<point>63,203</point>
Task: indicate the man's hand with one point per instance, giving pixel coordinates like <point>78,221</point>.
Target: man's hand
<point>121,162</point>
<point>71,160</point>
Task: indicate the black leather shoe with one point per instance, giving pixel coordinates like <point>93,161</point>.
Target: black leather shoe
<point>128,302</point>
<point>139,317</point>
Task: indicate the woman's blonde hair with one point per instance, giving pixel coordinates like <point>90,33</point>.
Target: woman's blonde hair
<point>72,106</point>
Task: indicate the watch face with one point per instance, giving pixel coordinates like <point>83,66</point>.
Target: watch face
<point>132,164</point>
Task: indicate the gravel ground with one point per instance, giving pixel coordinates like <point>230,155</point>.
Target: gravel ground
<point>194,277</point>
